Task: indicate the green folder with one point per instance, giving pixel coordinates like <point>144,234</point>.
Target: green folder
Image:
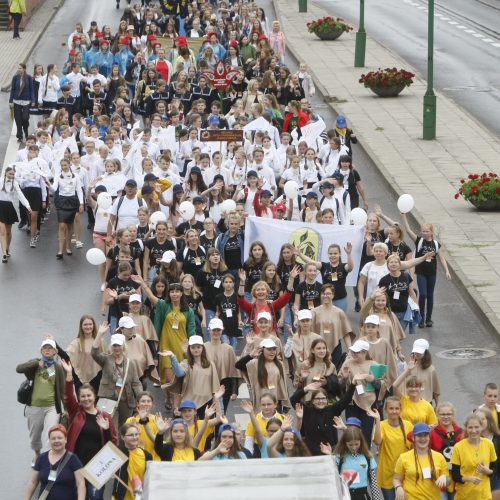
<point>378,371</point>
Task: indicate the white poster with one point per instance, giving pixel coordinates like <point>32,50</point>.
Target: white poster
<point>312,240</point>
<point>104,465</point>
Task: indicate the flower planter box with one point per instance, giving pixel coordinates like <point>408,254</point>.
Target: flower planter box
<point>329,35</point>
<point>488,206</point>
<point>391,91</point>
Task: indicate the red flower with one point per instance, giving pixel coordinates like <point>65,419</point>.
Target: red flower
<point>457,196</point>
<point>462,181</point>
<point>497,189</point>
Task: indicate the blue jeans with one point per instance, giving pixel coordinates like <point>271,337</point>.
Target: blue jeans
<point>226,339</point>
<point>113,324</point>
<point>288,321</point>
<point>426,286</point>
<point>388,494</point>
<point>401,317</point>
<point>152,273</point>
<point>209,316</point>
<point>341,304</point>
<point>446,495</point>
<point>93,493</point>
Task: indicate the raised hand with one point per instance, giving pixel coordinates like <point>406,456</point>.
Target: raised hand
<point>348,248</point>
<point>339,424</point>
<point>246,406</point>
<point>220,392</point>
<point>67,366</point>
<point>210,411</point>
<point>295,272</point>
<point>325,448</point>
<point>103,327</point>
<point>287,422</point>
<point>102,422</point>
<point>372,412</point>
<point>313,386</point>
<point>299,410</point>
<point>242,275</point>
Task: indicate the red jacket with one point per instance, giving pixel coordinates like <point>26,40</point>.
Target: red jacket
<point>253,309</point>
<point>258,207</point>
<point>303,120</point>
<point>77,417</point>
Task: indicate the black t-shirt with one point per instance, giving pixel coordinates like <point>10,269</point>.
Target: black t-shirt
<point>210,284</point>
<point>142,231</point>
<point>137,249</point>
<point>232,253</point>
<point>114,252</point>
<point>402,249</point>
<point>398,290</point>
<point>284,273</point>
<point>184,226</point>
<point>421,248</point>
<point>310,294</point>
<point>254,274</point>
<point>378,237</point>
<point>117,308</point>
<point>156,250</point>
<point>192,260</point>
<point>273,295</point>
<point>229,319</point>
<point>352,178</point>
<point>207,243</point>
<point>89,439</point>
<point>193,303</point>
<point>336,275</point>
<point>113,271</point>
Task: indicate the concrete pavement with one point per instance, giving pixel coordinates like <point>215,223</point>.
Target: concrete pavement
<point>390,130</point>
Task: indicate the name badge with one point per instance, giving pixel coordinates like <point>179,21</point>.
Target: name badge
<point>310,304</point>
<point>334,277</point>
<point>271,387</point>
<point>175,324</point>
<point>217,283</point>
<point>426,473</point>
<point>197,261</point>
<point>119,382</point>
<point>51,371</point>
<point>428,260</point>
<point>52,475</point>
<point>396,295</point>
<point>360,389</point>
<point>229,313</point>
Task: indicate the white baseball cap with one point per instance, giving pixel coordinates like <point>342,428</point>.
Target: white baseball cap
<point>304,314</point>
<point>267,343</point>
<point>196,340</point>
<point>168,257</point>
<point>216,324</point>
<point>360,345</point>
<point>117,339</point>
<point>135,297</point>
<point>373,319</point>
<point>420,346</point>
<point>50,342</point>
<point>126,322</point>
<point>264,315</point>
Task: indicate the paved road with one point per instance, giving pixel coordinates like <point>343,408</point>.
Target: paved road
<point>40,294</point>
<point>467,45</point>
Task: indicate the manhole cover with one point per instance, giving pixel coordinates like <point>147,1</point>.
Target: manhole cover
<point>466,353</point>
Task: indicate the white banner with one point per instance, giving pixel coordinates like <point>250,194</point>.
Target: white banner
<point>312,240</point>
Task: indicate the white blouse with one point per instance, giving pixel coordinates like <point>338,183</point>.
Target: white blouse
<point>9,190</point>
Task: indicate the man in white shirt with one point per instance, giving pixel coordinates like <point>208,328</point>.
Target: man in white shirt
<point>263,171</point>
<point>74,78</point>
<point>124,209</point>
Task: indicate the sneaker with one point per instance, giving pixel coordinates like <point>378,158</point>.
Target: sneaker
<point>73,241</point>
<point>421,324</point>
<point>21,224</point>
<point>5,259</point>
<point>429,323</point>
<point>59,256</point>
<point>357,307</point>
<point>37,235</point>
<point>79,244</point>
<point>33,243</point>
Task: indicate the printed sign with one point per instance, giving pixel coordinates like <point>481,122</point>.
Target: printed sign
<point>103,466</point>
<point>221,135</point>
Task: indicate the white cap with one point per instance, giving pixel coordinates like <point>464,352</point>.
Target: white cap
<point>135,297</point>
<point>373,319</point>
<point>117,339</point>
<point>216,324</point>
<point>196,340</point>
<point>126,322</point>
<point>50,342</point>
<point>304,314</point>
<point>267,343</point>
<point>168,257</point>
<point>264,315</point>
<point>360,345</point>
<point>420,346</point>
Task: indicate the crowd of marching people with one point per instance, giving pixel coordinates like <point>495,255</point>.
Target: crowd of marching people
<point>119,148</point>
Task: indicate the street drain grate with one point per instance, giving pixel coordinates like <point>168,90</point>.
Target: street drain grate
<point>466,353</point>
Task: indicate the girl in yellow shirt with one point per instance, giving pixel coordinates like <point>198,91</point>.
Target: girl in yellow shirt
<point>391,438</point>
<point>422,473</point>
<point>472,463</point>
<point>178,446</point>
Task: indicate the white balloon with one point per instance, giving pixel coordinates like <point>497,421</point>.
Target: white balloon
<point>358,216</point>
<point>104,200</point>
<point>95,256</point>
<point>228,206</point>
<point>186,209</point>
<point>405,203</point>
<point>291,189</point>
<point>157,217</point>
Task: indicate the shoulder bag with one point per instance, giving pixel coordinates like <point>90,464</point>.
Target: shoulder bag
<point>60,467</point>
<point>109,405</point>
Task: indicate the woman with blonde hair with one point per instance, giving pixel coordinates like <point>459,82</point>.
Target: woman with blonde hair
<point>490,430</point>
<point>252,95</point>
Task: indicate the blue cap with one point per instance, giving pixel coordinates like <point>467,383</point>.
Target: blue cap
<point>177,189</point>
<point>150,177</point>
<point>312,194</point>
<point>421,429</point>
<point>354,421</point>
<point>179,421</point>
<point>294,431</point>
<point>213,120</point>
<point>338,176</point>
<point>341,122</point>
<point>265,192</point>
<point>252,173</point>
<point>225,427</point>
<point>327,185</point>
<point>187,405</point>
<point>88,121</point>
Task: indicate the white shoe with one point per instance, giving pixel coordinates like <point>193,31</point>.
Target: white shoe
<point>79,244</point>
<point>73,240</point>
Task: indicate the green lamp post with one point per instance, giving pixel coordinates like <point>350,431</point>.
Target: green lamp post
<point>360,48</point>
<point>429,131</point>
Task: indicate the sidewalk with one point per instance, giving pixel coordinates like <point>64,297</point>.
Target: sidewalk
<point>15,51</point>
<point>390,130</point>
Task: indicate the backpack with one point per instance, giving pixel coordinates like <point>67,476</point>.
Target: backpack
<point>421,242</point>
<point>120,201</point>
<point>344,198</point>
<point>449,441</point>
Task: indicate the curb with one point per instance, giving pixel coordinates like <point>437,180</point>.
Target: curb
<point>473,299</point>
<point>55,10</point>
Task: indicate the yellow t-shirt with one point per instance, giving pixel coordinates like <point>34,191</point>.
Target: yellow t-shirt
<point>208,431</point>
<point>185,455</point>
<point>250,431</point>
<point>144,439</point>
<point>393,445</point>
<point>420,412</point>
<point>420,489</point>
<point>469,457</point>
